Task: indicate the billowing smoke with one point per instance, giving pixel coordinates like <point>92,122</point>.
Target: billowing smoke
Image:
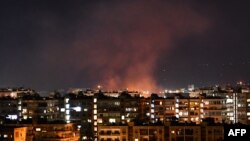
<point>117,45</point>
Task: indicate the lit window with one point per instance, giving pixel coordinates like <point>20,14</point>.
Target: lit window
<point>12,117</point>
<point>25,116</point>
<point>95,100</point>
<point>67,117</point>
<point>77,109</point>
<point>152,110</point>
<point>67,106</point>
<point>176,105</point>
<point>111,120</point>
<point>24,111</point>
<point>38,129</point>
<point>99,120</point>
<point>62,109</point>
<point>229,101</point>
<point>95,111</point>
<point>128,109</point>
<point>67,112</point>
<point>95,117</point>
<point>67,100</point>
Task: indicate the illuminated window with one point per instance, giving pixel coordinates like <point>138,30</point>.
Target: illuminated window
<point>67,117</point>
<point>95,117</point>
<point>176,105</point>
<point>77,109</point>
<point>229,101</point>
<point>24,111</point>
<point>67,106</point>
<point>25,116</point>
<point>67,112</point>
<point>12,117</point>
<point>67,100</point>
<point>99,120</point>
<point>95,100</point>
<point>38,129</point>
<point>202,105</point>
<point>112,120</point>
<point>95,111</point>
<point>128,109</point>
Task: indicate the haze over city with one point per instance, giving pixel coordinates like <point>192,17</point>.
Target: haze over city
<point>55,44</point>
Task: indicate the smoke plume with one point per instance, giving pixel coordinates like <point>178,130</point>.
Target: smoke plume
<point>117,45</point>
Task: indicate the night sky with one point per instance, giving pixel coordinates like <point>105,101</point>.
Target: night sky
<point>58,44</point>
